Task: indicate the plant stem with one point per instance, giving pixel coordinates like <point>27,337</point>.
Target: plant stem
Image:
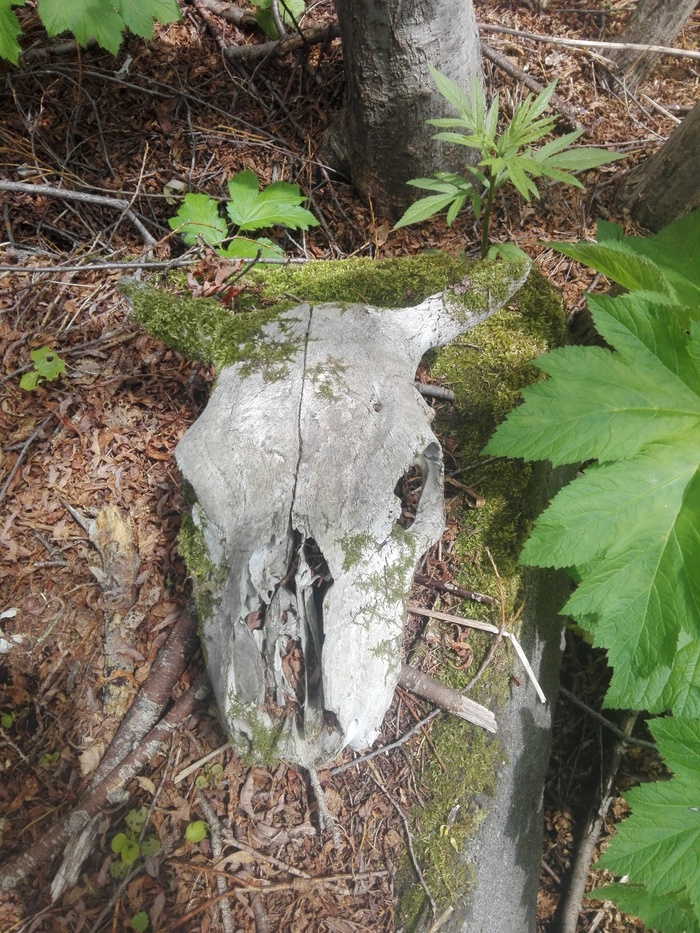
<point>486,225</point>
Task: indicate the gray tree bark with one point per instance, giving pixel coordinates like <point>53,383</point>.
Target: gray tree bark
<point>656,22</point>
<point>381,139</point>
<point>667,185</point>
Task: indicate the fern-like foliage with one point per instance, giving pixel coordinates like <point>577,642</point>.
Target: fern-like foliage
<point>628,530</point>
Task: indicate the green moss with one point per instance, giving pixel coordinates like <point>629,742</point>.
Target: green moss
<point>387,283</point>
<point>206,331</point>
<point>207,577</point>
<point>354,547</point>
<point>454,810</point>
<point>263,740</point>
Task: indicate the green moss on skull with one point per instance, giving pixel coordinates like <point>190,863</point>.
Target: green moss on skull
<point>207,578</point>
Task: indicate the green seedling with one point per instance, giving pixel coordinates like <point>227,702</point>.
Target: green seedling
<point>49,760</point>
<point>139,922</point>
<point>132,844</point>
<point>248,209</point>
<point>507,157</point>
<point>210,777</point>
<point>196,831</point>
<point>48,366</point>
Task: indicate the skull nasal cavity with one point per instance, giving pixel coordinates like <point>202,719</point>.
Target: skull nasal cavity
<point>408,490</point>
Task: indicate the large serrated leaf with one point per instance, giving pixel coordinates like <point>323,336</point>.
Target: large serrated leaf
<point>668,262</point>
<point>277,204</point>
<point>630,523</point>
<point>676,251</point>
<point>618,262</point>
<point>671,913</point>
<point>659,844</point>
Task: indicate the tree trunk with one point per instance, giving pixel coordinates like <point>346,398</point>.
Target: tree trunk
<point>653,22</point>
<point>381,139</point>
<point>667,185</point>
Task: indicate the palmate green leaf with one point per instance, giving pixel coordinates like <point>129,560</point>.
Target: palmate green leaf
<point>86,19</point>
<point>198,216</point>
<point>659,844</point>
<point>139,15</point>
<point>9,31</point>
<point>278,203</point>
<point>671,913</point>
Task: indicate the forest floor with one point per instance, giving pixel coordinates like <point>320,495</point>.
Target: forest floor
<point>105,434</point>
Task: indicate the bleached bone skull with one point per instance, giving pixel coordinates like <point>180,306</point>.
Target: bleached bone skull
<point>294,467</point>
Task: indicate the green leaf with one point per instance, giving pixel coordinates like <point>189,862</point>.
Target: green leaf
<point>618,262</point>
<point>676,252</point>
<point>85,19</point>
<point>119,842</point>
<point>424,209</point>
<point>671,913</point>
<point>198,216</point>
<point>508,251</point>
<point>7,720</point>
<point>47,363</point>
<point>29,381</point>
<point>435,184</point>
<point>556,145</point>
<point>584,158</point>
<point>278,203</point>
<point>606,231</point>
<point>242,247</point>
<point>139,922</point>
<point>139,15</point>
<point>264,16</point>
<point>196,831</point>
<point>459,139</point>
<point>668,262</point>
<point>455,208</point>
<point>135,819</point>
<point>9,31</point>
<point>454,95</point>
<point>149,846</point>
<point>659,844</point>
